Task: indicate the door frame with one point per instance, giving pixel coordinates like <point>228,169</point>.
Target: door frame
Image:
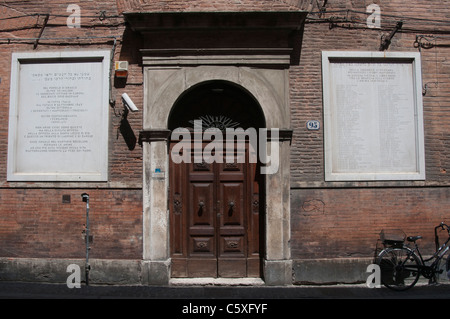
<point>164,84</point>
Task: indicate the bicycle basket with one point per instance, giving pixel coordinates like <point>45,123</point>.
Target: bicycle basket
<point>392,237</point>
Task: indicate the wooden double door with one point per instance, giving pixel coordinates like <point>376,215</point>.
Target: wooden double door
<point>215,218</point>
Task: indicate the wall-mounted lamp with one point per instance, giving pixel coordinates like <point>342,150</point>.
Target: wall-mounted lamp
<point>121,69</point>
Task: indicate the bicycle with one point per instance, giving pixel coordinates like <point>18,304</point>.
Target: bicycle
<point>401,265</point>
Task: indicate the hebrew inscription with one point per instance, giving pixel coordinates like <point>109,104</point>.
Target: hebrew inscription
<point>60,111</point>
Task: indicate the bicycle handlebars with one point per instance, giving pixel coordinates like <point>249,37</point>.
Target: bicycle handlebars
<point>436,238</point>
<point>442,226</point>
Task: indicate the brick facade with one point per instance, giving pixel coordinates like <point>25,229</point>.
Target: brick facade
<point>343,219</point>
<point>336,220</point>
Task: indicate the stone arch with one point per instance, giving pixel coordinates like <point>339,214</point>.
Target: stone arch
<point>267,88</point>
<point>193,104</point>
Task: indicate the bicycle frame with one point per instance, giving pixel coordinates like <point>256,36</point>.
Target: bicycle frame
<point>403,264</point>
<point>429,271</point>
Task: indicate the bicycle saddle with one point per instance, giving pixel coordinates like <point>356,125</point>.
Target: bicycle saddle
<point>413,238</point>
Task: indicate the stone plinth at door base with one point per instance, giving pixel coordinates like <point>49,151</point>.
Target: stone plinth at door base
<point>156,272</point>
<point>278,272</point>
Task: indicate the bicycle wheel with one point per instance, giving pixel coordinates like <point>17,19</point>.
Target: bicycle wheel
<point>447,267</point>
<point>399,268</point>
<point>442,274</point>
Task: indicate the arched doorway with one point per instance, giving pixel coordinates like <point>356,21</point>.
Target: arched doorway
<point>166,87</point>
<point>216,206</point>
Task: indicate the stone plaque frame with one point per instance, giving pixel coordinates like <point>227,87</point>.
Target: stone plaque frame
<point>373,116</point>
<point>59,116</point>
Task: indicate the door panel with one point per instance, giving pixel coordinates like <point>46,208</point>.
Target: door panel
<point>201,204</point>
<point>232,251</point>
<point>214,220</point>
<point>231,201</point>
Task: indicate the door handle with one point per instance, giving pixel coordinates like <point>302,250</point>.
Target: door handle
<point>218,209</point>
<point>231,204</point>
<point>201,205</point>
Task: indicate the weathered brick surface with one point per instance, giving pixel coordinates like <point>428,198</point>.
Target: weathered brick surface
<point>33,220</point>
<point>346,222</point>
<point>35,223</point>
<point>338,220</point>
<point>306,79</point>
<point>329,220</point>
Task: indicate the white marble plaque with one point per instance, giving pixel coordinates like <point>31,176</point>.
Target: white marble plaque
<point>373,116</point>
<point>59,116</point>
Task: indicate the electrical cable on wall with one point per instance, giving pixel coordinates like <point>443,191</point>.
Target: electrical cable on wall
<point>338,20</point>
<point>428,42</point>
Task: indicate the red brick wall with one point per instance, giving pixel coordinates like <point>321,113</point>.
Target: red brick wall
<point>306,80</point>
<point>333,220</point>
<point>33,220</point>
<point>346,222</point>
<point>35,223</point>
<point>328,219</point>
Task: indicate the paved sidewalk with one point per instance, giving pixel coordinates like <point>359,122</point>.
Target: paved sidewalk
<point>16,290</point>
<point>216,301</point>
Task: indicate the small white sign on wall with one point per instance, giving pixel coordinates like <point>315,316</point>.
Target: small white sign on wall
<point>58,123</point>
<point>373,116</point>
<point>313,125</point>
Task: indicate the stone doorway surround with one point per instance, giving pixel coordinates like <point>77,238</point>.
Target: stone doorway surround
<point>261,69</point>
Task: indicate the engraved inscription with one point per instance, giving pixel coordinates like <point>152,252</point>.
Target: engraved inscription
<point>374,126</point>
<point>59,126</point>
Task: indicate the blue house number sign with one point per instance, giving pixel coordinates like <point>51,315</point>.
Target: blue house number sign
<point>313,125</point>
